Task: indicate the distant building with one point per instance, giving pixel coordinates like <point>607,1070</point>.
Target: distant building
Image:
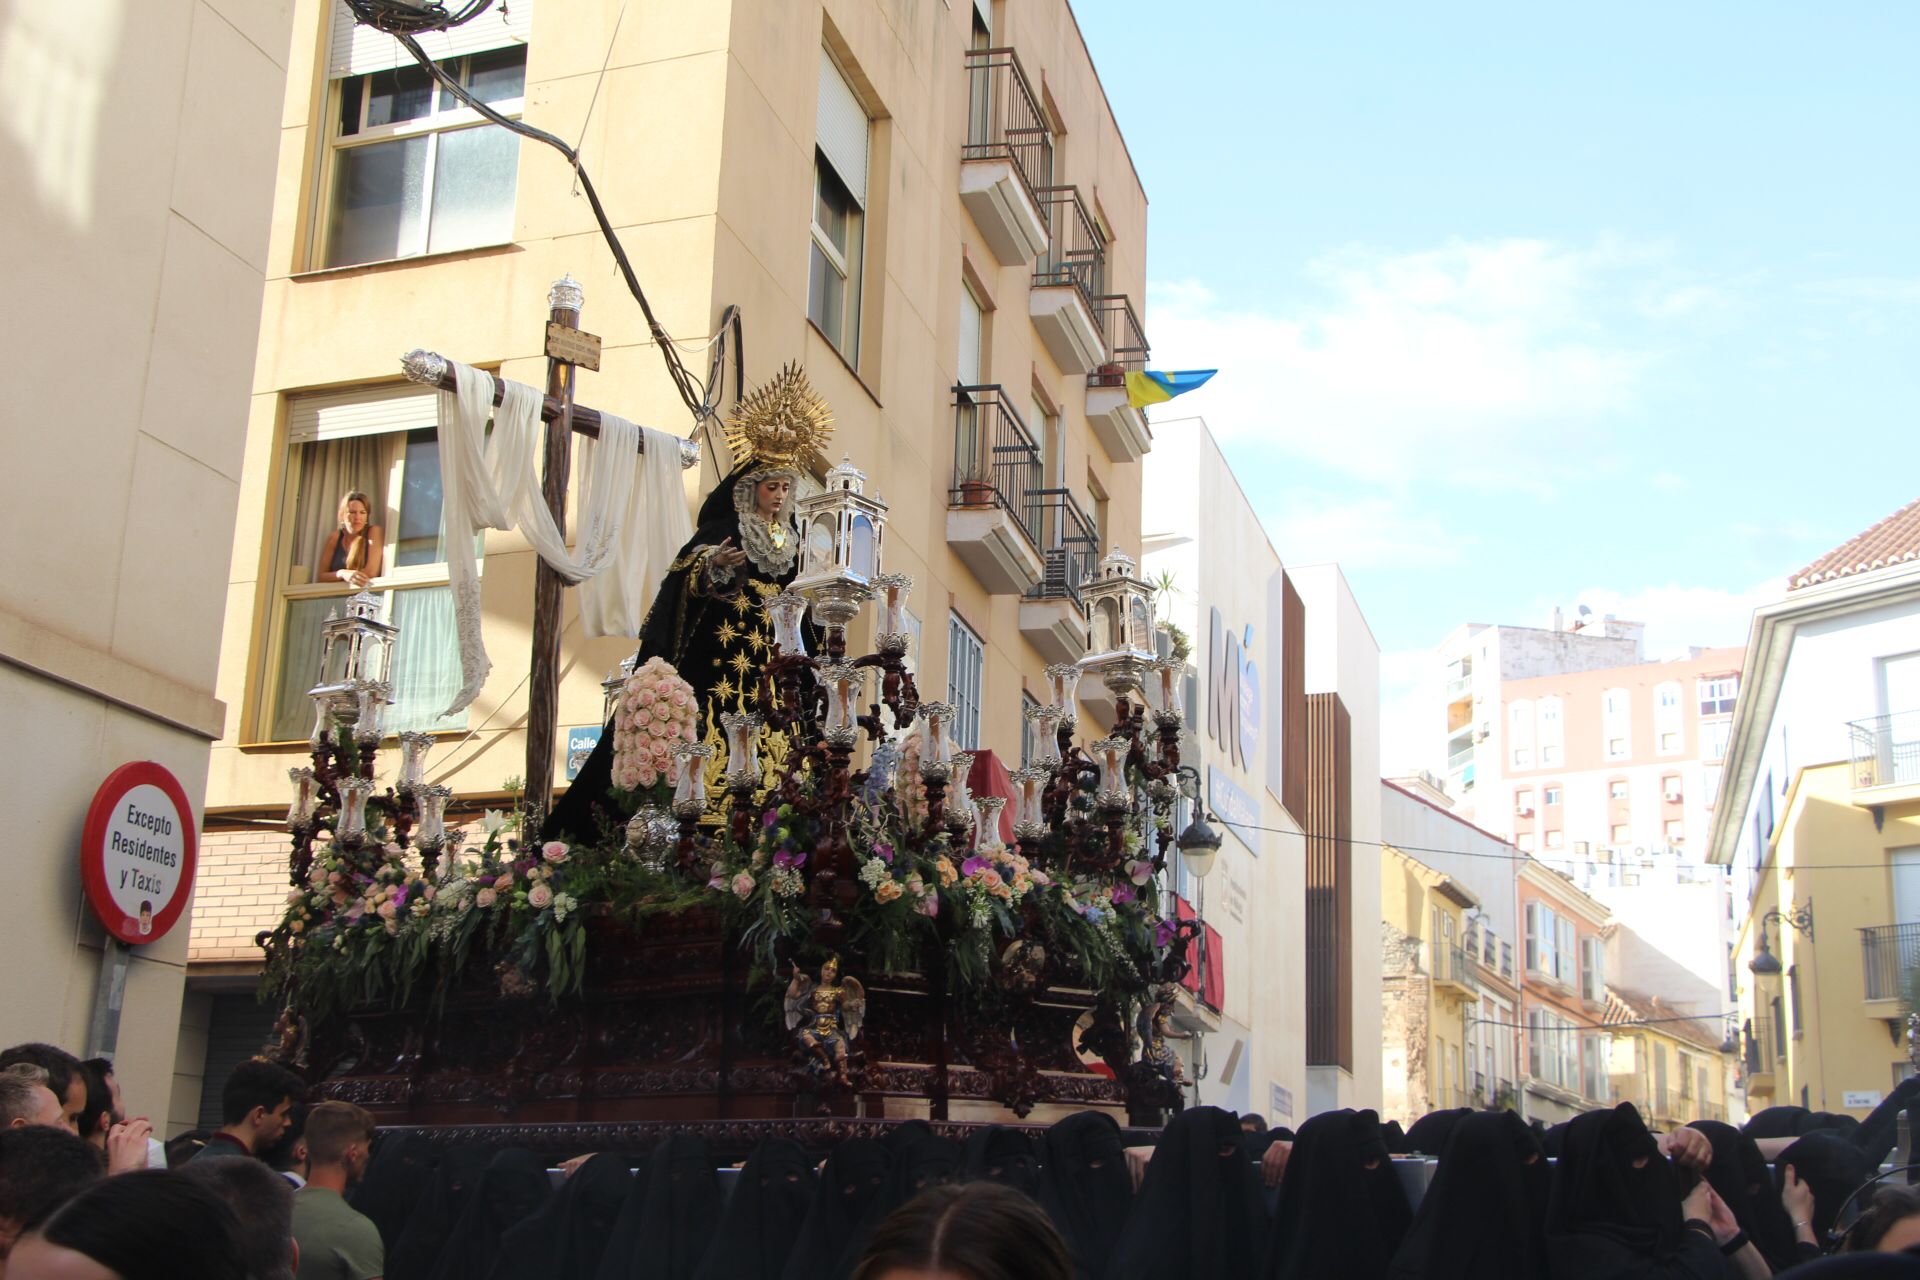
<point>1565,1046</point>
<point>1282,714</point>
<point>1669,1066</point>
<point>1429,988</point>
<point>1819,820</point>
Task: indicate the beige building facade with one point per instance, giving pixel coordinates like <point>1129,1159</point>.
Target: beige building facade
<point>140,161</point>
<point>935,212</point>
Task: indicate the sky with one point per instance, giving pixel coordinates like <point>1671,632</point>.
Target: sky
<point>1518,305</point>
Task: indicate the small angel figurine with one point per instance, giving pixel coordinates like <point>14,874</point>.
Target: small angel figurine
<point>825,1017</point>
<point>1156,1030</point>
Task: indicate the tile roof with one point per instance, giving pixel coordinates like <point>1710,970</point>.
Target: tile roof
<point>1893,541</point>
<point>1632,1007</point>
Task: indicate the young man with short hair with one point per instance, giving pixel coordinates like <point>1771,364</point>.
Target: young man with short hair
<point>26,1099</point>
<point>335,1242</point>
<point>254,1104</point>
<point>41,1166</point>
<point>263,1206</point>
<point>64,1077</point>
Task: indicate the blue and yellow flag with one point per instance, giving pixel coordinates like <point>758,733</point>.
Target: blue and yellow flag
<point>1153,386</point>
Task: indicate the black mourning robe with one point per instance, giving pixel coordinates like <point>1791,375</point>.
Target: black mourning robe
<point>1608,1220</point>
<point>1429,1133</point>
<point>1198,1212</point>
<point>1396,1138</point>
<point>1740,1176</point>
<point>713,632</point>
<point>1003,1155</point>
<point>1484,1213</point>
<point>1342,1209</point>
<point>1086,1189</point>
<point>396,1180</point>
<point>1834,1167</point>
<point>1878,1132</point>
<point>847,1205</point>
<point>566,1238</point>
<point>921,1160</point>
<point>432,1221</point>
<point>513,1188</point>
<point>762,1219</point>
<point>668,1220</point>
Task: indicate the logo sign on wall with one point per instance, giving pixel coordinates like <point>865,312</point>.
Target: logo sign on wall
<point>138,851</point>
<point>1233,693</point>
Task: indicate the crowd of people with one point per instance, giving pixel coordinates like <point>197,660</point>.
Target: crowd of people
<point>287,1191</point>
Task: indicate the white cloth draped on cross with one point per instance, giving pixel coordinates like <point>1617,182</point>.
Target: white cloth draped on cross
<point>633,515</point>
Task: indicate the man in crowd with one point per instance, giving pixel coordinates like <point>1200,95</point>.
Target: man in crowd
<point>288,1157</point>
<point>40,1167</point>
<point>25,1098</point>
<point>262,1203</point>
<point>336,1243</point>
<point>64,1077</point>
<point>254,1106</point>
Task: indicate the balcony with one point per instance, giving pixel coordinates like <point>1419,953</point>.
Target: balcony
<point>1888,956</point>
<point>1067,279</point>
<point>1050,614</point>
<point>1007,156</point>
<point>1454,975</point>
<point>1886,757</point>
<point>1121,428</point>
<point>991,507</point>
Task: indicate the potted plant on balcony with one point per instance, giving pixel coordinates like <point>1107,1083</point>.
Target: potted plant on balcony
<point>975,491</point>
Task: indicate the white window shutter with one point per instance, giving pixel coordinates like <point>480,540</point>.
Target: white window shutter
<point>356,49</point>
<point>985,9</point>
<point>841,128</point>
<point>367,411</point>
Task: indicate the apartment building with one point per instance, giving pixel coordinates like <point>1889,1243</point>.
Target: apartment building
<point>1565,1049</point>
<point>1671,1067</point>
<point>1417,821</point>
<point>1820,823</point>
<point>1281,710</point>
<point>139,191</point>
<point>936,213</point>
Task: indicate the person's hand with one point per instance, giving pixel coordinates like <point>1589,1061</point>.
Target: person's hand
<point>1796,1197</point>
<point>1273,1164</point>
<point>726,555</point>
<point>567,1167</point>
<point>1720,1217</point>
<point>1699,1202</point>
<point>1137,1160</point>
<point>354,578</point>
<point>127,1145</point>
<point>1687,1148</point>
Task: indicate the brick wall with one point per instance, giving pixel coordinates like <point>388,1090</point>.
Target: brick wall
<point>241,888</point>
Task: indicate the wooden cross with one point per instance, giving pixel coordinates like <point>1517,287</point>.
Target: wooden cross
<point>567,347</point>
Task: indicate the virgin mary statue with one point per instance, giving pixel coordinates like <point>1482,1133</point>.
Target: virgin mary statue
<point>709,618</point>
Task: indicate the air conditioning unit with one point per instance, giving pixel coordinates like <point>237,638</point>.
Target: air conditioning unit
<point>1525,811</point>
<point>1580,848</point>
<point>1482,735</point>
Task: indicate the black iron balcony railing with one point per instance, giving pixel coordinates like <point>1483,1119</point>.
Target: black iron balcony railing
<point>1069,543</point>
<point>1886,749</point>
<point>1888,956</point>
<point>1077,254</point>
<point>1005,122</point>
<point>1759,1053</point>
<point>995,462</point>
<point>1126,341</point>
<point>1453,964</point>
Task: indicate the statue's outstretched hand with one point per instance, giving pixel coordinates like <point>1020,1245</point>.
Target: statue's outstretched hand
<point>726,555</point>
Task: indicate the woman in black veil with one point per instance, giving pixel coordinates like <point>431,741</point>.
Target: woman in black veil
<point>1342,1209</point>
<point>1085,1187</point>
<point>1198,1212</point>
<point>1484,1213</point>
<point>708,618</point>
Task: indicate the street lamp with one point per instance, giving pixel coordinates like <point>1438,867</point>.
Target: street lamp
<point>1764,963</point>
<point>411,17</point>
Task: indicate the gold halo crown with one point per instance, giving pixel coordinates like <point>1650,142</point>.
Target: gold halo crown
<point>781,421</point>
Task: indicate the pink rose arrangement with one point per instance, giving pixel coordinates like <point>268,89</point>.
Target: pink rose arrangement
<point>656,710</point>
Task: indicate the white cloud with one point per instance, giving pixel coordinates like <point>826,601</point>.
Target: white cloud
<point>1471,363</point>
<point>1411,711</point>
<point>1368,531</point>
<point>1677,616</point>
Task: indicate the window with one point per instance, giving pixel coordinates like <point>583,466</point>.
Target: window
<point>1616,748</point>
<point>1617,789</point>
<point>1669,744</point>
<point>381,442</point>
<point>1793,1000</point>
<point>1714,735</point>
<point>966,657</point>
<point>1549,754</point>
<point>1551,797</point>
<point>1523,802</point>
<point>1670,788</point>
<point>1660,1105</point>
<point>1506,959</point>
<point>1718,695</point>
<point>1676,830</point>
<point>1622,833</point>
<point>1593,970</point>
<point>839,211</point>
<point>1525,841</point>
<point>1566,949</point>
<point>1616,723</point>
<point>1523,757</point>
<point>413,170</point>
<point>1594,1052</point>
<point>1666,696</point>
<point>1556,839</point>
